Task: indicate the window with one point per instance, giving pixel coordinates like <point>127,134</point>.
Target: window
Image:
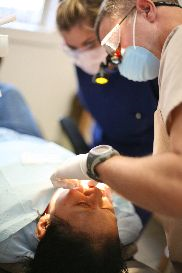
<point>32,12</point>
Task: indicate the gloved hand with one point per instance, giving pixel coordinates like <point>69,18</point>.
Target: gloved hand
<point>73,168</point>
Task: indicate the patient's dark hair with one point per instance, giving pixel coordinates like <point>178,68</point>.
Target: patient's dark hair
<point>64,250</point>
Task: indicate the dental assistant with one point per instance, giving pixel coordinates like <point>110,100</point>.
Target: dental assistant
<point>153,182</point>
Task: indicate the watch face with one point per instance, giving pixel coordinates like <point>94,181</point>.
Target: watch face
<point>101,149</point>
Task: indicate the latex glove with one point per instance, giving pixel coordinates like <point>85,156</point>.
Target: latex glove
<point>73,168</point>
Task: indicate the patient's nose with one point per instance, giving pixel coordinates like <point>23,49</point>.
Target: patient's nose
<point>94,196</point>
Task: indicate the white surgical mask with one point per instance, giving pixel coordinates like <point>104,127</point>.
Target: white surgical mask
<point>138,63</point>
<point>88,60</point>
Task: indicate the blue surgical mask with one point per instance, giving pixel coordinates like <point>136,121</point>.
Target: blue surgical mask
<point>138,64</point>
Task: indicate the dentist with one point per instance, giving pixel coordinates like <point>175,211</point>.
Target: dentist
<point>151,32</point>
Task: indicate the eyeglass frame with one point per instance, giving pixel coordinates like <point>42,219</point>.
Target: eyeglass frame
<point>109,35</point>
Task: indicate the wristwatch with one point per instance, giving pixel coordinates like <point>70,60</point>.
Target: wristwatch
<point>96,156</point>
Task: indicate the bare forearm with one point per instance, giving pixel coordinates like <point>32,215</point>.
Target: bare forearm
<point>153,182</point>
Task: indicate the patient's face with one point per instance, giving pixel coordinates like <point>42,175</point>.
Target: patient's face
<point>85,209</point>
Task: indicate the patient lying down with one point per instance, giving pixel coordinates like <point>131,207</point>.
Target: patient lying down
<point>82,230</point>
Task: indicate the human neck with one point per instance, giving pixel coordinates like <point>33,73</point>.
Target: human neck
<point>171,18</point>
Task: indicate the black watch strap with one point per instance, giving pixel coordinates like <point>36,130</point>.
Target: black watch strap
<point>93,160</point>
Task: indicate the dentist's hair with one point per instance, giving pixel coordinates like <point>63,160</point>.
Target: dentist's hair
<point>118,8</point>
<point>73,12</point>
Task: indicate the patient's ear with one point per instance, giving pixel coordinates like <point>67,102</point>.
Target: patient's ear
<point>42,226</point>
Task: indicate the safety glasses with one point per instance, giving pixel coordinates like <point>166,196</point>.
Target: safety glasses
<point>111,41</point>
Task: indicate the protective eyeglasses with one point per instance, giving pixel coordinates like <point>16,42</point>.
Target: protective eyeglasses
<point>111,41</point>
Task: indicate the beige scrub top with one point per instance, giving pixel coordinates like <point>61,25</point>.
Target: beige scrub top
<point>170,84</point>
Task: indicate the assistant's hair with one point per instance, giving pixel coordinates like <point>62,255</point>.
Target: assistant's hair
<point>72,12</point>
<point>64,250</point>
<point>118,9</point>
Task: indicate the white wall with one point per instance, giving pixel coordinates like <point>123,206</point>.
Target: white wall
<point>43,73</point>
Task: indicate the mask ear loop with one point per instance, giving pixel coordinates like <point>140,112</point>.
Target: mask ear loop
<point>134,30</point>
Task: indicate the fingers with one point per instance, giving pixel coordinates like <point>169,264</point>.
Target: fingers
<point>106,191</point>
<point>66,183</point>
<point>92,183</point>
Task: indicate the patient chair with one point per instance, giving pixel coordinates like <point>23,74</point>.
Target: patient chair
<point>138,267</point>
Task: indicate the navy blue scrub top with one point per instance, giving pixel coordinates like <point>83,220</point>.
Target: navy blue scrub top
<point>123,111</point>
